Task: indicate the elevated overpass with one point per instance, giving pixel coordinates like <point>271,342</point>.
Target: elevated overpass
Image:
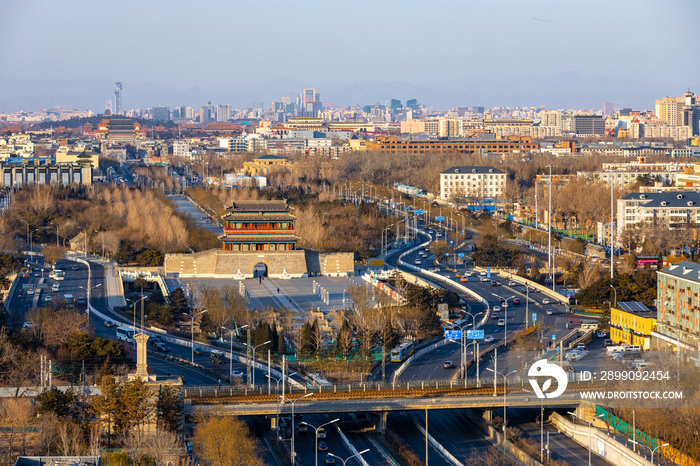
<point>379,399</point>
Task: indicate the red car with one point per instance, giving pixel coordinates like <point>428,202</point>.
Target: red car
<point>516,301</point>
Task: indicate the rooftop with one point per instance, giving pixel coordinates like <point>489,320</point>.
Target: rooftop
<point>472,169</point>
<point>666,199</point>
<point>684,269</point>
<point>259,206</point>
<point>632,306</point>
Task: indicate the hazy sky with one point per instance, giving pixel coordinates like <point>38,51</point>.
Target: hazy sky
<point>214,43</point>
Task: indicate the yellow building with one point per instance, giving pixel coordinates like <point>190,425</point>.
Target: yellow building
<point>631,323</point>
<point>266,164</point>
<point>65,154</point>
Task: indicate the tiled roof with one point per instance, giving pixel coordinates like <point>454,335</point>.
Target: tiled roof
<point>260,238</point>
<point>259,206</point>
<point>243,216</point>
<point>673,199</point>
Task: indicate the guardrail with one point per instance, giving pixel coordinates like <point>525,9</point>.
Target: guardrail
<point>524,281</point>
<point>442,450</point>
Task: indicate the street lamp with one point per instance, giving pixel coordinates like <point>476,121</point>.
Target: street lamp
<point>505,398</point>
<point>590,424</point>
<point>541,425</point>
<point>192,317</point>
<point>654,449</point>
<point>253,357</point>
<point>230,355</point>
<point>56,225</point>
<point>89,289</point>
<point>31,240</point>
<point>316,432</point>
<point>277,392</point>
<point>103,242</point>
<point>346,459</point>
<point>505,318</point>
<point>293,402</point>
<point>549,218</point>
<point>135,303</point>
<point>614,289</point>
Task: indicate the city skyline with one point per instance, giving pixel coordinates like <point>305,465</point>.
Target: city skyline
<point>492,54</point>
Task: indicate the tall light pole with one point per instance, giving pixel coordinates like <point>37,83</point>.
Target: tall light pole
<point>192,317</point>
<point>230,355</point>
<point>549,255</point>
<point>89,290</point>
<point>277,392</point>
<point>590,432</point>
<point>56,225</point>
<point>654,449</point>
<point>135,303</point>
<point>316,435</point>
<point>505,398</point>
<point>356,454</point>
<point>293,402</point>
<point>615,290</point>
<point>612,230</point>
<point>541,426</point>
<point>254,349</point>
<point>505,318</point>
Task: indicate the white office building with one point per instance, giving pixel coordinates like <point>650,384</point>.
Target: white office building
<point>472,181</point>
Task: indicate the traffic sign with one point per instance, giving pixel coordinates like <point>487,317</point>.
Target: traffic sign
<point>460,254</point>
<point>419,211</point>
<point>554,337</point>
<point>452,242</point>
<point>534,317</point>
<point>453,334</point>
<point>440,218</point>
<point>475,334</point>
<point>488,272</point>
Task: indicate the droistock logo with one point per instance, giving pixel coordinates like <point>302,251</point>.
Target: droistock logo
<point>544,369</point>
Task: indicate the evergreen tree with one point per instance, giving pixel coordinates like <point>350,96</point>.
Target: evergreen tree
<point>306,344</point>
<point>169,408</point>
<point>316,337</point>
<point>281,344</point>
<point>535,274</point>
<point>274,337</point>
<point>178,302</point>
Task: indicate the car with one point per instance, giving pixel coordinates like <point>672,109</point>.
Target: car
<point>607,342</point>
<point>74,268</point>
<point>161,348</point>
<point>501,322</point>
<point>329,460</point>
<point>516,302</point>
<point>448,365</point>
<point>237,374</point>
<point>482,273</point>
<point>418,262</point>
<point>29,325</point>
<point>485,279</point>
<point>322,446</point>
<point>30,292</point>
<point>497,309</point>
<point>545,301</point>
<point>550,312</point>
<point>81,300</point>
<point>601,334</point>
<point>55,287</point>
<point>468,236</point>
<point>512,283</point>
<point>468,274</point>
<point>199,350</point>
<point>582,347</point>
<point>47,298</point>
<point>494,315</point>
<point>494,283</point>
<point>573,356</point>
<point>501,299</point>
<point>489,339</point>
<point>303,427</point>
<point>37,275</point>
<point>321,432</point>
<point>464,279</point>
<point>458,275</point>
<point>109,323</point>
<point>156,339</point>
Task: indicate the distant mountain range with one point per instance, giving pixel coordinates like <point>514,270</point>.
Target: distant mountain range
<point>561,91</point>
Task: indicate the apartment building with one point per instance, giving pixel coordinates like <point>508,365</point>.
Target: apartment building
<point>667,209</point>
<point>472,181</point>
<point>678,305</point>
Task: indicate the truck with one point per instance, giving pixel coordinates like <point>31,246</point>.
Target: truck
<point>69,299</point>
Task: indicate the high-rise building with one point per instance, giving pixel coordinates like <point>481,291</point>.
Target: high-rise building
<point>160,113</point>
<point>589,125</point>
<point>395,104</point>
<point>223,113</point>
<point>187,113</point>
<point>311,102</point>
<point>412,104</point>
<point>118,97</point>
<point>670,110</point>
<point>205,116</point>
<point>608,109</point>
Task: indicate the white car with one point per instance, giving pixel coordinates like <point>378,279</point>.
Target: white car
<point>47,298</point>
<point>485,279</point>
<point>545,301</point>
<point>497,309</point>
<point>237,374</point>
<point>501,322</point>
<point>30,292</point>
<point>488,339</point>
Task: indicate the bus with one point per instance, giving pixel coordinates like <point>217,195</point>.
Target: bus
<point>217,356</point>
<point>401,352</point>
<point>315,380</point>
<point>125,334</point>
<point>58,274</point>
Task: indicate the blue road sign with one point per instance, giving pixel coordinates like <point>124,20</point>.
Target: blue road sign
<point>440,218</point>
<point>475,334</point>
<point>419,211</point>
<point>488,272</point>
<point>534,317</point>
<point>452,242</point>
<point>453,334</point>
<point>462,231</point>
<point>554,337</point>
<point>460,254</point>
<point>447,254</point>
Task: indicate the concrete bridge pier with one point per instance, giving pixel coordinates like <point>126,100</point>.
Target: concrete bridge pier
<point>488,415</point>
<point>380,425</point>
